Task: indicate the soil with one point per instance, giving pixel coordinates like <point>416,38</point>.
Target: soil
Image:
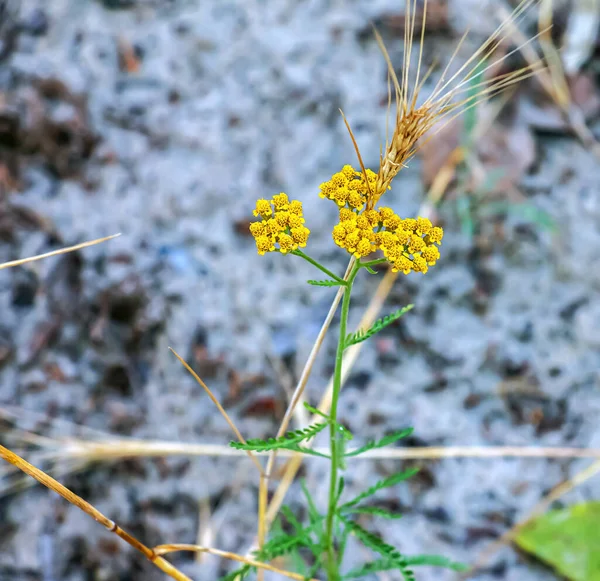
<point>164,121</point>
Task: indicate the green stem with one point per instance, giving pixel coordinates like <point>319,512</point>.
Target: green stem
<point>319,266</point>
<point>373,262</point>
<point>332,561</point>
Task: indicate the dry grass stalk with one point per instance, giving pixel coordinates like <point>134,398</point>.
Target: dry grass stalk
<point>164,549</point>
<point>86,507</point>
<point>218,405</point>
<point>21,261</point>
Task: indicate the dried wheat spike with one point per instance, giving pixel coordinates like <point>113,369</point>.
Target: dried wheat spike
<point>413,121</point>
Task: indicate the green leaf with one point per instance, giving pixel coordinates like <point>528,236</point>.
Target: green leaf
<point>385,441</point>
<point>324,283</point>
<point>435,561</point>
<point>369,569</point>
<point>380,324</point>
<point>346,433</point>
<point>238,574</point>
<point>385,483</point>
<point>291,517</point>
<point>387,565</point>
<point>373,510</point>
<point>567,539</point>
<point>375,543</point>
<point>289,441</point>
<point>313,514</point>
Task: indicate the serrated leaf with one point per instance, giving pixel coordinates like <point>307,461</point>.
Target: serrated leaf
<point>286,511</point>
<point>385,441</point>
<point>289,441</point>
<point>346,433</point>
<point>362,335</point>
<point>369,569</point>
<point>567,539</point>
<point>386,565</point>
<point>385,483</point>
<point>377,544</point>
<point>436,561</point>
<point>374,511</point>
<point>238,574</point>
<point>324,282</point>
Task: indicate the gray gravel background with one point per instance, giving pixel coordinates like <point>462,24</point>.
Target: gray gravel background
<point>236,100</point>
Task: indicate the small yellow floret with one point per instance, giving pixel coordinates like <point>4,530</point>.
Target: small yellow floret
<point>339,234</point>
<point>403,236</point>
<point>420,264</point>
<point>280,201</point>
<point>416,244</point>
<point>264,244</point>
<point>423,226</point>
<point>346,214</point>
<point>392,222</point>
<point>348,171</point>
<point>340,196</point>
<point>356,200</point>
<point>282,218</point>
<point>286,243</point>
<point>295,208</point>
<point>409,224</point>
<point>363,248</point>
<point>431,254</point>
<point>300,235</point>
<point>338,180</point>
<point>352,240</point>
<point>386,213</point>
<point>403,264</point>
<point>258,229</point>
<point>373,217</point>
<point>436,234</point>
<point>263,208</point>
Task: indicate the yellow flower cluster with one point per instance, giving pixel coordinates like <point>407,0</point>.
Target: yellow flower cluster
<point>408,244</point>
<point>348,188</point>
<point>281,228</point>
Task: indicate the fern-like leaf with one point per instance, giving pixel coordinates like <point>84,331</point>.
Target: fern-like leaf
<point>385,483</point>
<point>385,441</point>
<point>289,441</point>
<point>345,432</point>
<point>324,282</point>
<point>362,335</point>
<point>436,561</point>
<point>386,565</point>
<point>374,511</point>
<point>369,569</point>
<point>238,574</point>
<point>377,544</point>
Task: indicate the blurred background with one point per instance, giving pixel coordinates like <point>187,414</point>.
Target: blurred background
<point>164,121</point>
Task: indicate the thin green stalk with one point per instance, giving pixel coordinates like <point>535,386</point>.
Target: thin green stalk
<point>373,262</point>
<point>319,266</point>
<point>332,561</point>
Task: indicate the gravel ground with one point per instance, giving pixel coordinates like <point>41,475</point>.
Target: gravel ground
<point>164,121</point>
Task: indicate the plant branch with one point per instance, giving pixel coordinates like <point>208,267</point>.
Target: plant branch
<point>319,266</point>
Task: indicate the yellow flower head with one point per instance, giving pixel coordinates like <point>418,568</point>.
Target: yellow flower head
<point>282,226</point>
<point>408,244</point>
